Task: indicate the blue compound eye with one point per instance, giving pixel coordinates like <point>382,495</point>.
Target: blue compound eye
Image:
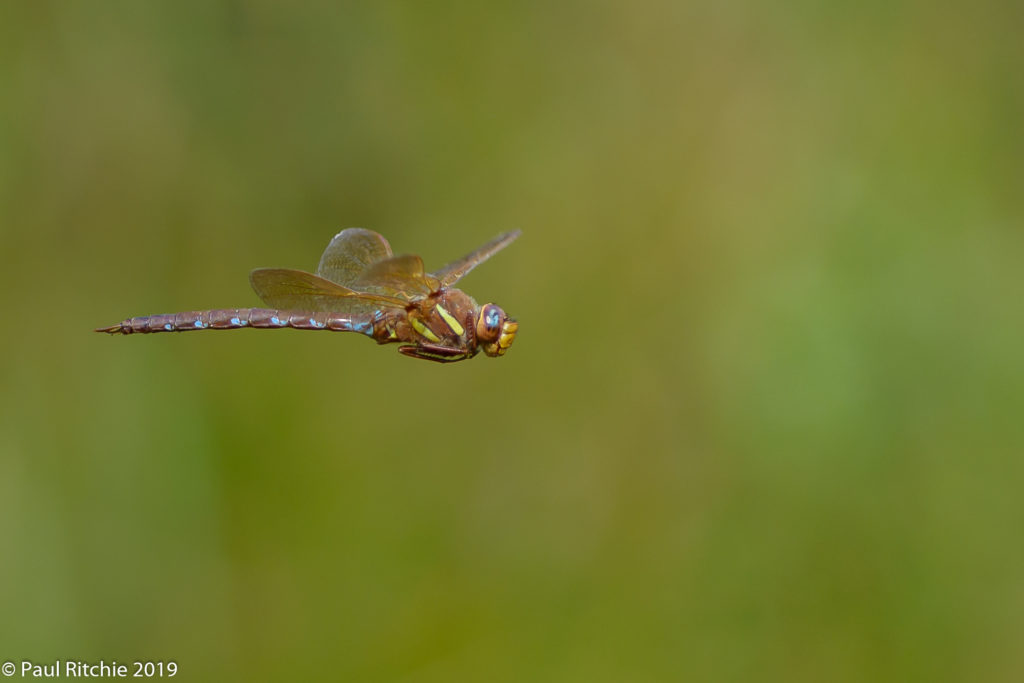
<point>488,325</point>
<point>492,318</point>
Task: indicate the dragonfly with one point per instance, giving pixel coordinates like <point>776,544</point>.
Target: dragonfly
<point>361,286</point>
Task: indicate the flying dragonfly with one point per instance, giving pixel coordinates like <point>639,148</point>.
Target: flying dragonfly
<point>361,286</point>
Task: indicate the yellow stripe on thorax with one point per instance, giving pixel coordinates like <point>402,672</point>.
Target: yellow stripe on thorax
<point>423,330</point>
<point>450,319</point>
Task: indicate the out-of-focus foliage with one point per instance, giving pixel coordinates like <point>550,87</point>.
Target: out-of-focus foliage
<point>763,420</point>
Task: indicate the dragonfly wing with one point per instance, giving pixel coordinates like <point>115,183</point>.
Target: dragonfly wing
<point>286,289</point>
<point>455,270</point>
<point>351,252</point>
<point>398,276</point>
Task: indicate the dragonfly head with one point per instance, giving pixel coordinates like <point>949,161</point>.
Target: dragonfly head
<point>495,331</point>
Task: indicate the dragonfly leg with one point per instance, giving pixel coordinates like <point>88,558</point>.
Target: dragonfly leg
<point>438,354</point>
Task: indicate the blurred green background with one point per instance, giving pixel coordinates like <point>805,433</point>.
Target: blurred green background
<point>763,420</point>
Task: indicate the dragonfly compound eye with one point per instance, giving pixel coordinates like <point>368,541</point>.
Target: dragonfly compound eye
<point>495,330</point>
<point>488,325</point>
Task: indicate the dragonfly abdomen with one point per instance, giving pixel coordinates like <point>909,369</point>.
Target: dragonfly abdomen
<point>237,318</point>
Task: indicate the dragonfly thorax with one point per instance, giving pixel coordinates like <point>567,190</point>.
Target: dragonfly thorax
<point>449,323</point>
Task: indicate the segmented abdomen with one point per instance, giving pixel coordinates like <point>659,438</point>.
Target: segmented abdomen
<point>236,318</point>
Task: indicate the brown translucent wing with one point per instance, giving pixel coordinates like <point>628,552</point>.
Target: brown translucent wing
<point>286,289</point>
<point>398,276</point>
<point>351,252</point>
<point>455,270</point>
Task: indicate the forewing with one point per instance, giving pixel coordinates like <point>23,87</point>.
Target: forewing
<point>398,276</point>
<point>351,252</point>
<point>455,270</point>
<point>286,289</point>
